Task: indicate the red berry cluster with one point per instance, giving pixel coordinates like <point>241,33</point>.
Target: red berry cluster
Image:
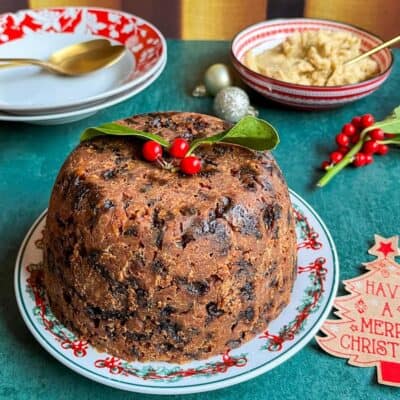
<point>350,135</point>
<point>190,165</point>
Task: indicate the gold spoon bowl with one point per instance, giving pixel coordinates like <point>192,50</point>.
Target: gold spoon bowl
<point>74,60</point>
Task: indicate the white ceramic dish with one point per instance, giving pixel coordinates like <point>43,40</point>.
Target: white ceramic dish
<point>37,33</point>
<point>76,114</point>
<point>312,298</point>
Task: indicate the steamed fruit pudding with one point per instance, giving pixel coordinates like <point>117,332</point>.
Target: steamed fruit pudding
<point>151,263</point>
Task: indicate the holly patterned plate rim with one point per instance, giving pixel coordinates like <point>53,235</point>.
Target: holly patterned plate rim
<point>312,299</point>
<point>146,47</point>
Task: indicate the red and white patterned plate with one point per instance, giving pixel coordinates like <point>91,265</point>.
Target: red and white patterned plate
<point>312,299</point>
<point>37,33</point>
<point>270,33</point>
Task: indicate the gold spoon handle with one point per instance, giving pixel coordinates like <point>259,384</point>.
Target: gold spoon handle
<point>373,51</point>
<point>14,62</point>
<point>78,59</point>
<point>32,61</point>
<point>10,65</point>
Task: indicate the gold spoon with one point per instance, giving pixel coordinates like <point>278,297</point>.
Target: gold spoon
<point>77,59</point>
<point>373,51</point>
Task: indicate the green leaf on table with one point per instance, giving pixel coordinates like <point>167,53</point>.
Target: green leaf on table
<point>390,124</point>
<point>250,132</point>
<point>120,130</point>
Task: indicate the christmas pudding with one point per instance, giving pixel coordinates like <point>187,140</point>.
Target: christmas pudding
<point>152,264</point>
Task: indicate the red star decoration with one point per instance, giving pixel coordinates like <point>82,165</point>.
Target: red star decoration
<point>385,248</point>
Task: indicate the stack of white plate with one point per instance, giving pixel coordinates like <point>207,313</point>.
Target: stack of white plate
<point>30,94</point>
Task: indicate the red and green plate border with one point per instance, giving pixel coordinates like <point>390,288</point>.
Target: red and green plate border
<point>305,333</point>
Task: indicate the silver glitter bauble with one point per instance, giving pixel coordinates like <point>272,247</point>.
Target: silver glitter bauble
<point>231,104</point>
<point>217,77</point>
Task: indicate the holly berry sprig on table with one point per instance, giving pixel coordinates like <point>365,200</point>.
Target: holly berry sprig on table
<point>359,141</point>
<point>250,132</point>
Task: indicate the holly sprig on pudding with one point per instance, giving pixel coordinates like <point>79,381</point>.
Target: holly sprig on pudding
<point>189,165</point>
<point>250,132</point>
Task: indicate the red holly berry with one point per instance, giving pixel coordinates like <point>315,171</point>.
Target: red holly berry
<point>349,129</point>
<point>359,160</point>
<point>367,120</point>
<point>343,149</point>
<point>356,122</point>
<point>179,148</point>
<point>151,150</point>
<point>190,165</point>
<point>336,157</point>
<point>325,165</point>
<point>377,134</point>
<point>368,159</point>
<point>355,138</point>
<point>370,147</point>
<point>390,135</point>
<point>342,139</point>
<point>382,149</point>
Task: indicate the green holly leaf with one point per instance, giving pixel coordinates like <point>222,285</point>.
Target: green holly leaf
<point>250,132</point>
<point>120,130</point>
<point>390,124</point>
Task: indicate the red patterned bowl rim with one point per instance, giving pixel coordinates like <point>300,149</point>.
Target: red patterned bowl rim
<point>289,21</point>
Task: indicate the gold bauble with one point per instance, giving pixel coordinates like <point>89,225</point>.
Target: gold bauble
<point>217,77</point>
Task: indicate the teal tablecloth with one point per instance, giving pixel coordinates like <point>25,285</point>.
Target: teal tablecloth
<point>357,204</point>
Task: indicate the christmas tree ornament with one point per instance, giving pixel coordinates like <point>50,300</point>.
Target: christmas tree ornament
<point>232,104</point>
<point>368,329</point>
<point>216,77</point>
<point>199,91</point>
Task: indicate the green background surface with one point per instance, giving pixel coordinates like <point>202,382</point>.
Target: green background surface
<point>357,204</point>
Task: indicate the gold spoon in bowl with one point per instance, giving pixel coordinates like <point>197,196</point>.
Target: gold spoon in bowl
<point>365,55</point>
<point>373,51</point>
<point>77,59</point>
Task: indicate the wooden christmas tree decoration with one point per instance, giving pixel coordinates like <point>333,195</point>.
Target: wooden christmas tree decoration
<point>368,329</point>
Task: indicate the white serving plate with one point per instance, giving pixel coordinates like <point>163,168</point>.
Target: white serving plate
<point>78,113</point>
<point>312,298</point>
